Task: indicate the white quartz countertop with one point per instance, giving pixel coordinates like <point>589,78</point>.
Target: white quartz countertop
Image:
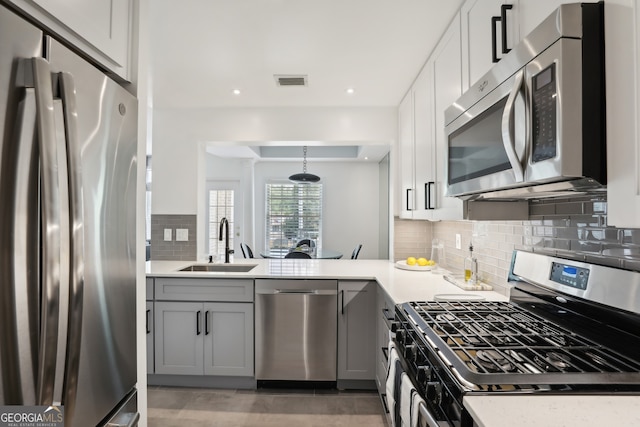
<point>402,286</point>
<point>554,411</point>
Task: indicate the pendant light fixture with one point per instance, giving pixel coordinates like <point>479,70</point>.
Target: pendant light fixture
<point>304,177</point>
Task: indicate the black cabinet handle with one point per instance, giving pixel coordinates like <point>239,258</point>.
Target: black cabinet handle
<point>198,317</point>
<point>206,322</point>
<point>408,208</point>
<point>383,396</point>
<point>428,202</point>
<point>148,313</point>
<point>426,195</point>
<point>503,18</point>
<point>494,40</point>
<point>342,302</point>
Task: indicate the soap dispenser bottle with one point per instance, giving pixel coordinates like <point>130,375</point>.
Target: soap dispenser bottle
<point>471,267</point>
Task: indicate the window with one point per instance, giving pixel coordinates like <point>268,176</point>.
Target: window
<point>294,212</point>
<point>220,206</point>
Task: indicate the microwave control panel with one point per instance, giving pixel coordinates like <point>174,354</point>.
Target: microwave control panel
<point>543,109</point>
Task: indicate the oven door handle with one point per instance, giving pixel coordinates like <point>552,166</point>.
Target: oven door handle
<point>508,128</point>
<point>426,417</point>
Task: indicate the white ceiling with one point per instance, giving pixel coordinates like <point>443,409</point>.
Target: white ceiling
<point>203,49</point>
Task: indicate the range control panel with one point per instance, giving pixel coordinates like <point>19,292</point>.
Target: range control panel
<point>569,275</point>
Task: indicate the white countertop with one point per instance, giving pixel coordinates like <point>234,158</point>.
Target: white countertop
<point>554,411</point>
<point>402,286</point>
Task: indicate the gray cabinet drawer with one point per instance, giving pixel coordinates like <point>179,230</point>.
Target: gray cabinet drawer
<point>180,289</point>
<point>149,289</point>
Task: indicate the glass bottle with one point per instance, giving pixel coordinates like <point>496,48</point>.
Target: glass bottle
<point>471,267</point>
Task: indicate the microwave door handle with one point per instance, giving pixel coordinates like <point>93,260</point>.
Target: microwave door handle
<point>508,137</point>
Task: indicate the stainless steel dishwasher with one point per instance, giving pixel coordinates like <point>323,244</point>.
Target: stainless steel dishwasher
<point>296,330</point>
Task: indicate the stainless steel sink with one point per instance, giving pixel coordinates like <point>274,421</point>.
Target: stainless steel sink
<point>234,268</point>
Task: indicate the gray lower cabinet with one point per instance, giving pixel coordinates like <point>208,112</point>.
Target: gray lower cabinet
<point>179,338</point>
<point>203,327</point>
<point>356,330</point>
<point>384,316</point>
<point>228,340</point>
<point>150,364</point>
<point>149,324</point>
<point>194,338</point>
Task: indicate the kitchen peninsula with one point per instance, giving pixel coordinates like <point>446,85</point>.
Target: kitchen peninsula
<point>400,286</point>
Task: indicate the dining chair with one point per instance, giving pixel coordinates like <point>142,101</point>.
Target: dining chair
<point>298,254</point>
<point>310,243</point>
<point>246,250</point>
<point>356,251</point>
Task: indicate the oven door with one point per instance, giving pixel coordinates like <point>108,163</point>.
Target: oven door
<point>486,144</point>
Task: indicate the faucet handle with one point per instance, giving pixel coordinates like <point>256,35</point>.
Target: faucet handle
<point>231,251</point>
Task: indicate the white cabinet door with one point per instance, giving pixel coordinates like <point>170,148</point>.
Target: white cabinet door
<point>477,42</point>
<point>423,150</point>
<point>416,148</point>
<point>99,28</point>
<point>447,88</point>
<point>179,338</point>
<point>150,333</point>
<point>405,144</point>
<point>622,51</point>
<point>356,330</point>
<point>228,339</point>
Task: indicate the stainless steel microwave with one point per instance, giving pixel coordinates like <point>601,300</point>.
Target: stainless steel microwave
<point>534,125</point>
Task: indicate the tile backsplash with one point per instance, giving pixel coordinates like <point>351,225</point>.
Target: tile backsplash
<point>573,228</point>
<point>162,250</point>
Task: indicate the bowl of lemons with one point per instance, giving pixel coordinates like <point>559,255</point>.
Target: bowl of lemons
<point>416,264</point>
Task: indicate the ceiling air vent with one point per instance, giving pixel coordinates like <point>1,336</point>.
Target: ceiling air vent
<point>290,80</point>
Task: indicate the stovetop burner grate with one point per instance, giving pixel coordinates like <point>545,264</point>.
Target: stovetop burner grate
<point>500,337</point>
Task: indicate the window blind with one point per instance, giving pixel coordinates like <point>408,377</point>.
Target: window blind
<point>294,212</point>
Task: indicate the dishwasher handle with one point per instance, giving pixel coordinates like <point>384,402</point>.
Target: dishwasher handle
<point>297,292</point>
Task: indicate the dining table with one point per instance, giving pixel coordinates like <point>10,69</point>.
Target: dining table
<point>320,253</point>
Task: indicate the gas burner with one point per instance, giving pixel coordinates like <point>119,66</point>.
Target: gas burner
<point>598,360</point>
<point>555,360</point>
<point>448,323</point>
<point>493,361</point>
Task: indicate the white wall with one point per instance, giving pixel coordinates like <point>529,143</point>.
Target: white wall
<point>179,137</point>
<point>351,210</point>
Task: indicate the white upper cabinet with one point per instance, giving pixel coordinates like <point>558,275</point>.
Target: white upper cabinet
<point>447,88</point>
<point>622,52</point>
<point>423,144</point>
<point>99,28</point>
<point>484,35</point>
<point>416,149</point>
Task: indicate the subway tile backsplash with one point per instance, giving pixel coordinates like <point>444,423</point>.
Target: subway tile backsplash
<point>574,227</point>
<point>173,250</point>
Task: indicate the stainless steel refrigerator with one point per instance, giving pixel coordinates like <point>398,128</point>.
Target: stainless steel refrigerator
<point>67,231</point>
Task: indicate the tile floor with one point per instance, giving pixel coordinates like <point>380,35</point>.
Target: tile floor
<point>173,407</point>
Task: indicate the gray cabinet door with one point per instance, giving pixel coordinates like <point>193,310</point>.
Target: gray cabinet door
<point>150,333</point>
<point>356,330</point>
<point>228,339</point>
<point>179,338</point>
<point>384,316</point>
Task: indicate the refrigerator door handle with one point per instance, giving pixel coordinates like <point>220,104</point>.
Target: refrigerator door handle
<point>50,211</point>
<point>76,238</point>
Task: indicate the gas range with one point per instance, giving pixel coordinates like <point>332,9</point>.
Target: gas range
<point>569,327</point>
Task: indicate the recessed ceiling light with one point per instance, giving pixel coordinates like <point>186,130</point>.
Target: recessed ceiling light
<point>236,91</point>
<point>350,91</point>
